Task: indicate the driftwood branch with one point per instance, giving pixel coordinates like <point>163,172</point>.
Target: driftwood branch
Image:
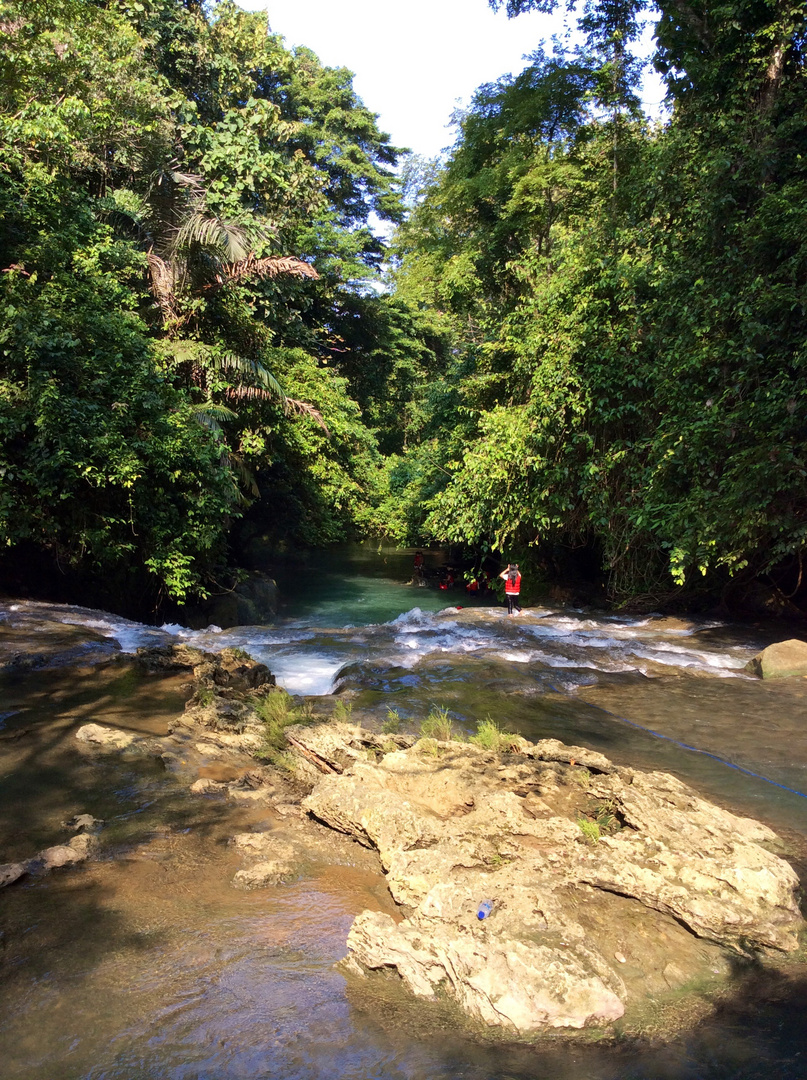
<point>320,762</point>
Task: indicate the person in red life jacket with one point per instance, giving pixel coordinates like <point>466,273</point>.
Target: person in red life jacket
<point>447,582</point>
<point>512,587</point>
<point>472,588</point>
<point>418,575</point>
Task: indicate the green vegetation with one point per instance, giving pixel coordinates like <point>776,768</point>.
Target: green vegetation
<point>623,303</point>
<point>437,725</point>
<point>189,350</point>
<point>343,712</point>
<point>392,725</point>
<point>589,829</point>
<point>489,736</point>
<point>591,348</point>
<point>600,821</point>
<point>278,712</point>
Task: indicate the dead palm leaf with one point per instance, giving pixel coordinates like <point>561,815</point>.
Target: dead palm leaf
<point>270,267</point>
<point>290,405</point>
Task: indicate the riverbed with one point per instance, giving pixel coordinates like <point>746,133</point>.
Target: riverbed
<point>146,962</point>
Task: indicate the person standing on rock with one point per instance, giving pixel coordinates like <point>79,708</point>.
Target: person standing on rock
<point>512,588</point>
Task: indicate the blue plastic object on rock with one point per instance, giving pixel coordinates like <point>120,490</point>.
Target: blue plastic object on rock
<point>484,909</point>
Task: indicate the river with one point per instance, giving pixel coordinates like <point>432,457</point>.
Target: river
<point>146,963</point>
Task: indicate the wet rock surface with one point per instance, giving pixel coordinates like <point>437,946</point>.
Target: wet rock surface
<point>609,885</point>
<point>29,644</point>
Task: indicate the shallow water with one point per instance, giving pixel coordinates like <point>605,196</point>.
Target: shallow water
<point>145,962</point>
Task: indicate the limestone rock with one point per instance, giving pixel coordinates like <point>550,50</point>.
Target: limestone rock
<point>516,984</point>
<point>261,874</point>
<point>205,786</point>
<point>782,660</point>
<point>106,738</point>
<point>580,928</point>
<point>277,860</point>
<point>66,854</point>
<point>11,872</point>
<point>83,823</point>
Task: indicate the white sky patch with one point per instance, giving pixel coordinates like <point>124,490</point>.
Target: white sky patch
<point>413,63</point>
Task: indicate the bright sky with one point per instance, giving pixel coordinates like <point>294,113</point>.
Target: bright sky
<point>414,62</point>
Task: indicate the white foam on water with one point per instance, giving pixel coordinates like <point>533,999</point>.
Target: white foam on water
<point>313,675</point>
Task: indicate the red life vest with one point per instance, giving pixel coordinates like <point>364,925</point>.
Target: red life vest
<point>512,588</point>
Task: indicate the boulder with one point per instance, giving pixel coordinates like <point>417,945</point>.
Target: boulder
<point>609,885</point>
<point>76,851</point>
<point>251,603</point>
<point>782,660</point>
<point>106,738</point>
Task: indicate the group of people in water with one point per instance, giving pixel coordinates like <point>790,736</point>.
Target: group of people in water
<point>477,585</point>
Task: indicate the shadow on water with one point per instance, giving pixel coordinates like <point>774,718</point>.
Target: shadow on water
<point>46,778</point>
<point>754,1031</point>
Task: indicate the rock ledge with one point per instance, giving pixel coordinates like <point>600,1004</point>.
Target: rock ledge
<point>609,885</point>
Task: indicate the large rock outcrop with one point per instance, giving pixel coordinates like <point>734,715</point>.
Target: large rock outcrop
<point>782,660</point>
<point>608,884</point>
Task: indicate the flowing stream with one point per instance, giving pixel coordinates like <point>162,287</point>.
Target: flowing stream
<point>146,963</point>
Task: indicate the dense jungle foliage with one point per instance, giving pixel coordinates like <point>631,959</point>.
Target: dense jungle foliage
<point>590,338</point>
<point>625,306</point>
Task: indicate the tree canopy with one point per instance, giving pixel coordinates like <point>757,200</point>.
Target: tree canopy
<point>625,302</point>
<point>185,223</point>
<point>586,338</point>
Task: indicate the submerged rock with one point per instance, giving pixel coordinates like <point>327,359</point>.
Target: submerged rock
<point>608,884</point>
<point>75,851</point>
<point>782,660</point>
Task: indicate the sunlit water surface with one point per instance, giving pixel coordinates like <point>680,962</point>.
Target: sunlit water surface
<point>146,962</point>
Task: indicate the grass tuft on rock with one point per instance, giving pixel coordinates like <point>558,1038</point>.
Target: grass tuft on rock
<point>437,725</point>
<point>278,711</point>
<point>489,736</point>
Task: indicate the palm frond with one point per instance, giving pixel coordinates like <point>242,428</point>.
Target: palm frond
<point>290,405</point>
<point>245,475</point>
<point>226,238</point>
<point>163,283</point>
<point>233,362</point>
<point>302,408</point>
<point>270,267</point>
<point>187,180</point>
<point>213,411</point>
